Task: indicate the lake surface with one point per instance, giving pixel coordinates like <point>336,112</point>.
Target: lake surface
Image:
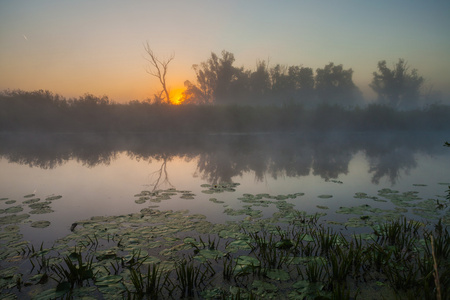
<point>100,175</point>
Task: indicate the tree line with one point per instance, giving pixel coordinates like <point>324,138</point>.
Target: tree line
<point>218,81</point>
<point>22,111</point>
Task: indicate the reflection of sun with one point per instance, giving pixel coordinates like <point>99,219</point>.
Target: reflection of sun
<point>176,96</point>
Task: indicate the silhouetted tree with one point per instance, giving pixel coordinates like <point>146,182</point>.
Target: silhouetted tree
<point>158,68</point>
<point>218,80</point>
<point>260,81</point>
<point>334,85</point>
<point>194,95</point>
<point>294,83</point>
<point>302,78</point>
<point>398,87</point>
<point>280,79</point>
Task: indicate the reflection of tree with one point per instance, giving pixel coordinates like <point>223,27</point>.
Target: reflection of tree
<point>332,157</point>
<point>390,164</point>
<point>221,158</point>
<point>291,160</point>
<point>220,167</point>
<point>160,178</point>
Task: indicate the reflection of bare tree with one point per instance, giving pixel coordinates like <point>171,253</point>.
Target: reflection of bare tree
<point>160,177</point>
<point>220,158</point>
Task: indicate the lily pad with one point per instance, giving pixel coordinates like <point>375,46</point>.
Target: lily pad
<point>30,201</point>
<point>325,196</point>
<point>264,289</point>
<point>141,200</point>
<point>244,260</point>
<point>40,224</point>
<point>12,219</point>
<point>53,198</point>
<point>13,209</point>
<point>322,207</point>
<point>214,200</point>
<point>108,280</point>
<point>278,274</point>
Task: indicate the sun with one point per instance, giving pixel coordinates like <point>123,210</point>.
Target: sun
<point>176,96</point>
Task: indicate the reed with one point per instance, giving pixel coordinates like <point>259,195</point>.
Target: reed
<point>74,272</point>
<point>190,278</point>
<point>435,272</point>
<point>315,272</point>
<point>150,284</point>
<point>339,267</point>
<point>229,267</point>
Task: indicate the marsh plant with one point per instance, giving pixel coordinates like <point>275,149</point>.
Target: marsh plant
<point>75,271</point>
<point>299,259</point>
<point>192,277</point>
<point>150,283</point>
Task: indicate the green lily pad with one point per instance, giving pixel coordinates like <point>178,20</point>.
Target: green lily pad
<point>108,280</point>
<point>360,195</point>
<point>214,200</point>
<point>53,293</point>
<point>244,260</point>
<point>13,209</point>
<point>12,219</point>
<point>238,245</point>
<point>53,198</point>
<point>150,260</point>
<point>262,288</point>
<point>105,254</point>
<point>10,201</point>
<point>29,196</point>
<point>30,201</point>
<point>40,224</point>
<point>141,200</point>
<point>278,274</point>
<point>325,196</point>
<point>322,207</point>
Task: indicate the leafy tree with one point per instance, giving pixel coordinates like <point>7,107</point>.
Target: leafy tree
<point>397,87</point>
<point>260,81</point>
<point>280,79</point>
<point>294,82</point>
<point>218,80</point>
<point>194,95</point>
<point>334,85</point>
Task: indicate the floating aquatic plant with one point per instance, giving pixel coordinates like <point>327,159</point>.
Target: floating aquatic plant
<point>40,224</point>
<point>292,255</point>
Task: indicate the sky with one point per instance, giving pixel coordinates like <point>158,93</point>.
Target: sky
<point>76,47</point>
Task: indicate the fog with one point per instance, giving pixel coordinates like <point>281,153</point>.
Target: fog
<point>223,156</point>
<point>42,111</point>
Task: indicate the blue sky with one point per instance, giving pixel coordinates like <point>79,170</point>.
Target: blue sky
<point>77,47</point>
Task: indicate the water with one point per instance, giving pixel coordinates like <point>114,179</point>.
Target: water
<point>99,175</point>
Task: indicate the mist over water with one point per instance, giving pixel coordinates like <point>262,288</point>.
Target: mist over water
<point>221,157</point>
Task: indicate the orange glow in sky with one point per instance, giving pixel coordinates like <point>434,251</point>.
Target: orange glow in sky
<point>77,47</point>
<point>176,96</point>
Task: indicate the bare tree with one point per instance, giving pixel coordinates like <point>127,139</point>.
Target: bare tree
<point>158,68</point>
